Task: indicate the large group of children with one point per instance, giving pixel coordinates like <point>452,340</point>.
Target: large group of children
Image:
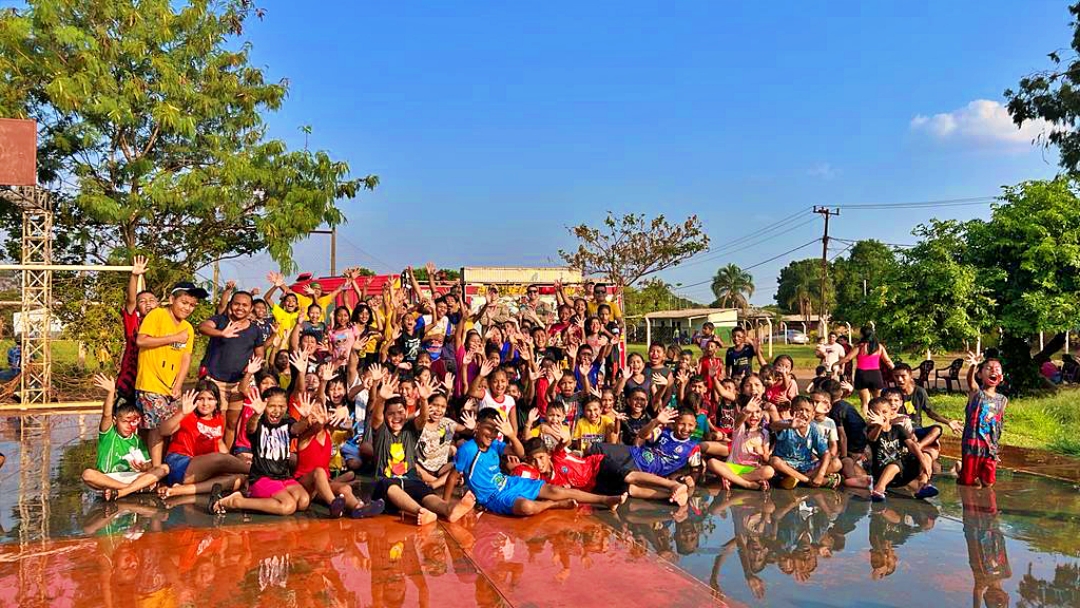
<point>439,403</point>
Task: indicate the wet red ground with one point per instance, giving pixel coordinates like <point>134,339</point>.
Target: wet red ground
<point>556,559</point>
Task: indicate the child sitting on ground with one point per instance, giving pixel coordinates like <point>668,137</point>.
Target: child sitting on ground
<point>271,487</point>
<point>313,471</point>
<point>123,461</point>
<point>801,452</point>
<point>897,458</point>
<point>437,439</point>
<point>479,462</point>
<point>553,427</point>
<point>569,470</point>
<point>657,449</point>
<point>747,465</point>
<point>593,427</point>
<point>197,457</point>
<point>984,417</point>
<point>822,401</point>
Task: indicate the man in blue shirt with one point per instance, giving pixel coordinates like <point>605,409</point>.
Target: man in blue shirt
<point>479,460</point>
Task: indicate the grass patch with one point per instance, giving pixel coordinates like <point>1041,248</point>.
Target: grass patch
<point>1046,423</point>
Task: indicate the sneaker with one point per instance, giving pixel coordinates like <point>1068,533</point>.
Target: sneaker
<point>371,509</point>
<point>337,506</point>
<point>876,496</point>
<point>927,491</point>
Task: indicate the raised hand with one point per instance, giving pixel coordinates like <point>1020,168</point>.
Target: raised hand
<point>505,427</point>
<point>972,359</point>
<point>563,432</point>
<point>255,291</point>
<point>231,330</point>
<point>487,367</point>
<point>468,420</point>
<point>376,372</point>
<point>318,415</point>
<point>430,267</point>
<point>666,416</point>
<point>299,360</point>
<point>230,284</point>
<point>187,402</point>
<point>426,388</point>
<point>595,392</point>
<point>327,372</point>
<point>276,278</point>
<point>683,376</point>
<point>534,415</point>
<point>660,380</point>
<point>388,387</point>
<point>304,404</point>
<point>448,383</point>
<point>138,265</point>
<point>621,416</point>
<point>255,363</point>
<point>361,343</point>
<point>339,416</point>
<point>255,400</point>
<point>105,383</point>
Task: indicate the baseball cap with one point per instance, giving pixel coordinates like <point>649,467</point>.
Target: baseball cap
<point>191,289</point>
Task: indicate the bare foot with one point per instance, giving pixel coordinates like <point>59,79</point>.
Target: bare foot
<point>108,494</point>
<point>566,503</point>
<point>680,495</point>
<point>425,517</point>
<point>466,504</point>
<point>613,502</point>
<point>224,504</point>
<point>164,492</point>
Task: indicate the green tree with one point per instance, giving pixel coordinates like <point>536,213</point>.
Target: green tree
<point>1028,256</point>
<point>732,286</point>
<point>151,132</point>
<point>626,249</point>
<point>932,299</point>
<point>653,295</point>
<point>1051,95</point>
<point>799,288</point>
<point>866,267</point>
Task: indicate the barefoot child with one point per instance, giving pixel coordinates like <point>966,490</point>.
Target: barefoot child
<point>197,457</point>
<point>747,465</point>
<point>123,462</point>
<point>897,458</point>
<point>984,417</point>
<point>437,439</point>
<point>479,461</point>
<point>271,487</point>
<point>657,449</point>
<point>396,440</point>
<point>801,452</point>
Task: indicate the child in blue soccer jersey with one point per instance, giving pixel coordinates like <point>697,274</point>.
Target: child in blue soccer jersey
<point>801,452</point>
<point>479,461</point>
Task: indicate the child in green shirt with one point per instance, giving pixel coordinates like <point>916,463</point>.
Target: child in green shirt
<point>123,462</point>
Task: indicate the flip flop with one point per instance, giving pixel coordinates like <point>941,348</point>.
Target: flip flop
<point>789,483</point>
<point>927,491</point>
<point>371,509</point>
<point>337,506</point>
<point>877,496</point>
<point>212,506</point>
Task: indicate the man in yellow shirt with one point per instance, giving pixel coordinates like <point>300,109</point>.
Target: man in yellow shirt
<point>600,297</point>
<point>165,342</point>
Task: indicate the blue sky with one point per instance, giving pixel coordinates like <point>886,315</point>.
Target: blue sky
<point>493,126</point>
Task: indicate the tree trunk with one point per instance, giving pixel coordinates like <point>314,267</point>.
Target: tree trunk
<point>1055,344</point>
<point>1021,368</point>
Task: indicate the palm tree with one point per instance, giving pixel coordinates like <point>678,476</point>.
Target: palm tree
<point>803,297</point>
<point>733,286</point>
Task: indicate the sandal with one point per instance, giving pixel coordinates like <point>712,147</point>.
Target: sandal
<point>337,506</point>
<point>371,509</point>
<point>876,496</point>
<point>789,483</point>
<point>927,491</point>
<point>212,506</point>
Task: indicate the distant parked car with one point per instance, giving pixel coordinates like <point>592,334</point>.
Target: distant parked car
<point>794,336</point>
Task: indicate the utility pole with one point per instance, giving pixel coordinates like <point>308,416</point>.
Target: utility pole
<point>333,247</point>
<point>217,279</point>
<point>826,213</point>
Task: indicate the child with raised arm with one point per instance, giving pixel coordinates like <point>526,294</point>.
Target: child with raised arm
<point>271,487</point>
<point>495,396</point>
<point>479,461</point>
<point>313,471</point>
<point>593,427</point>
<point>197,457</point>
<point>748,464</point>
<point>123,462</point>
<point>801,453</point>
<point>396,441</point>
<point>437,440</point>
<point>897,458</point>
<point>984,417</point>
<point>657,449</point>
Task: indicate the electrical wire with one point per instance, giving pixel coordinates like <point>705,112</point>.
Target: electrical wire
<point>761,263</point>
<point>750,245</point>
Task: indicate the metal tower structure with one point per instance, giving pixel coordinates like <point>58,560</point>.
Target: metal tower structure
<point>36,296</point>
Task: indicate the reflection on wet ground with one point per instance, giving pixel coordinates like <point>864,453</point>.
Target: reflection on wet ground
<point>1018,545</point>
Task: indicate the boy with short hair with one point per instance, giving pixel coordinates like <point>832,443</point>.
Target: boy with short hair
<point>123,464</point>
<point>479,462</point>
<point>740,356</point>
<point>896,456</point>
<point>800,451</point>
<point>657,449</point>
<point>138,304</point>
<point>984,417</point>
<point>166,341</point>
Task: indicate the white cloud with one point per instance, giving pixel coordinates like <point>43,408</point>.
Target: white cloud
<point>823,170</point>
<point>981,121</point>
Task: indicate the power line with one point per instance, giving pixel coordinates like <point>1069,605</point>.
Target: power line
<point>753,244</point>
<point>362,251</point>
<point>955,202</point>
<point>752,235</point>
<point>761,263</point>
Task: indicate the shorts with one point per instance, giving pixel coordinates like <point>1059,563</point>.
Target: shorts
<point>502,502</point>
<point>802,466</point>
<point>740,469</point>
<point>869,379</point>
<point>156,408</point>
<point>920,434</point>
<point>416,489</point>
<point>230,397</point>
<point>981,468</point>
<point>350,451</point>
<point>909,471</point>
<point>266,487</point>
<point>618,462</point>
<point>124,476</point>
<point>178,464</point>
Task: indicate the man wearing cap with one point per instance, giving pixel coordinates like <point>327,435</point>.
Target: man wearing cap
<point>234,339</point>
<point>165,342</point>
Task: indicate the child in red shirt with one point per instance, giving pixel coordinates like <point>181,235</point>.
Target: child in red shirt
<point>197,457</point>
